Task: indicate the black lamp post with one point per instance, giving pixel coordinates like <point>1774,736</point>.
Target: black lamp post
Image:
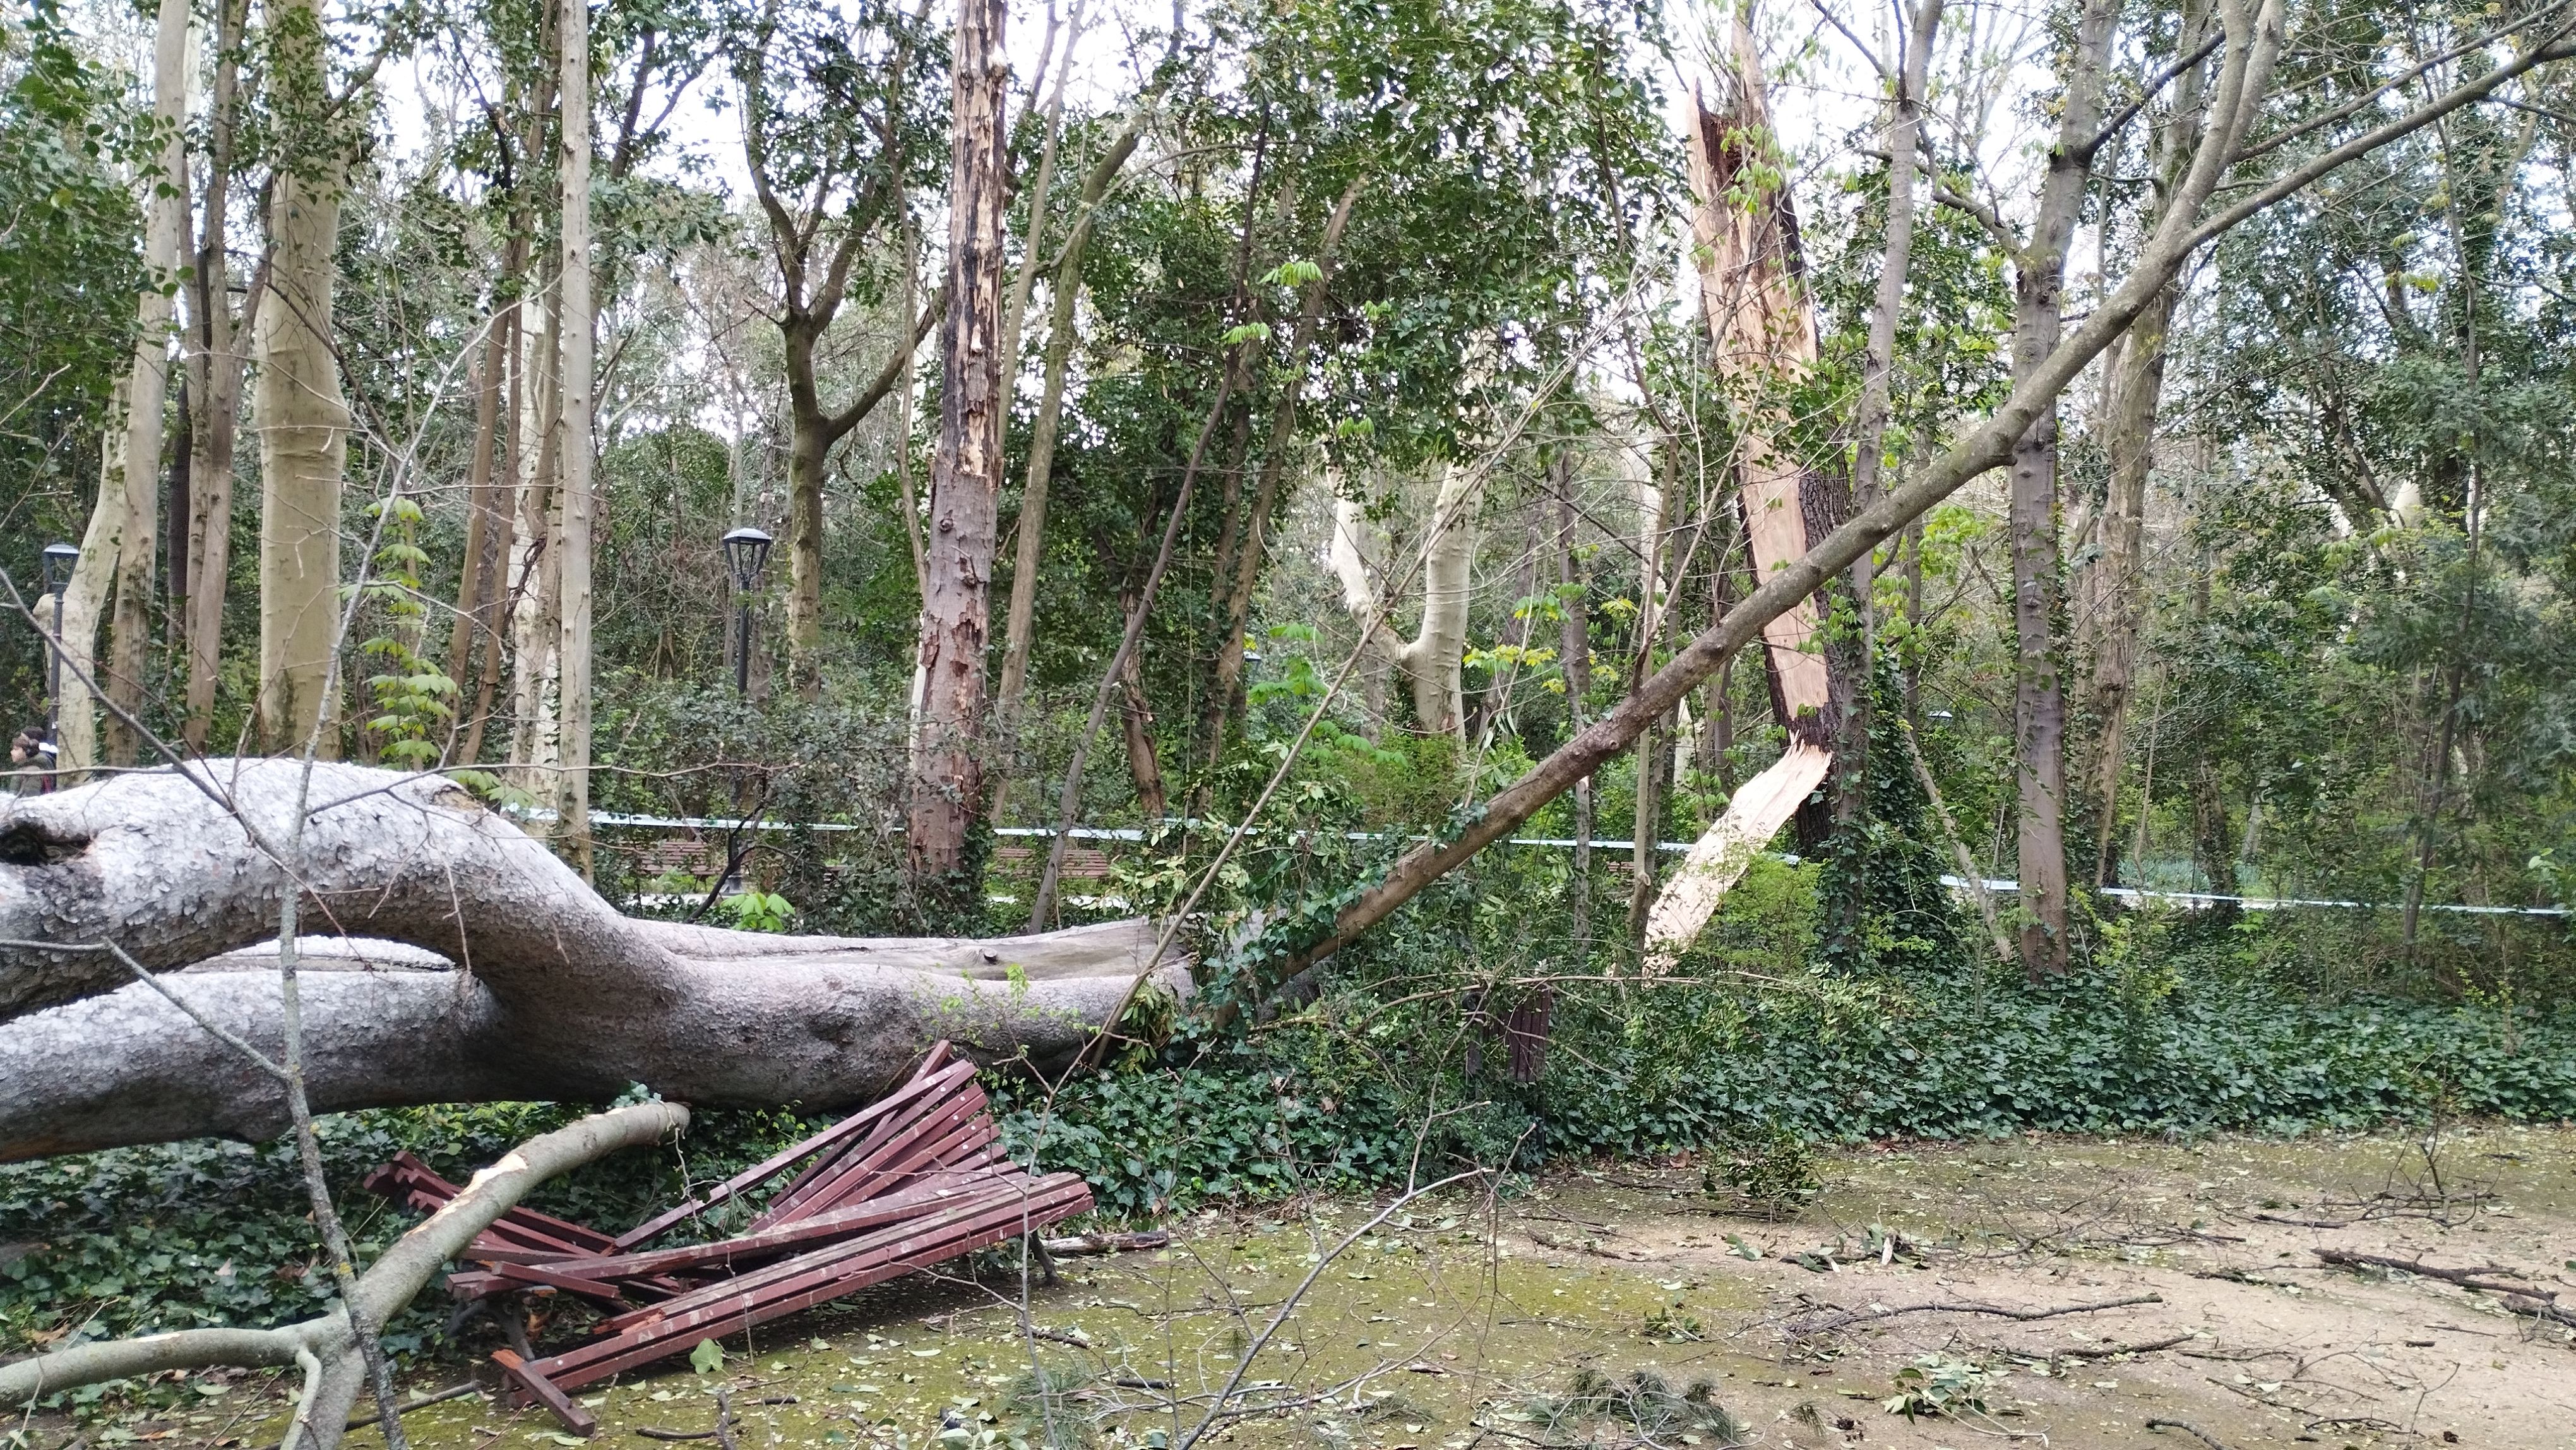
<point>745,551</point>
<point>58,559</point>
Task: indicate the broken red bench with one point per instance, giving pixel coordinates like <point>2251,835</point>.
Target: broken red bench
<point>914,1180</point>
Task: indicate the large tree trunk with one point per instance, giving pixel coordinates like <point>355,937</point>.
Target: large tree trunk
<point>2039,690</point>
<point>966,474</point>
<point>297,406</point>
<point>1431,661</point>
<point>572,450</point>
<point>554,995</point>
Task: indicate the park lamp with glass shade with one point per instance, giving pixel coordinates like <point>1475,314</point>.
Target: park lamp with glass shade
<point>746,552</point>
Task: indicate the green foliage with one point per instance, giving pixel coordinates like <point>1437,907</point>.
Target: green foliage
<point>759,911</point>
<point>412,695</point>
<point>1772,1169</point>
<point>1936,1385</point>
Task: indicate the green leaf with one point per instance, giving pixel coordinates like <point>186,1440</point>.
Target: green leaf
<point>708,1357</point>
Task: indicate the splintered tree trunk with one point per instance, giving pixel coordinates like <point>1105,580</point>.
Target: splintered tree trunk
<point>947,761</point>
<point>515,981</point>
<point>2039,689</point>
<point>297,405</point>
<point>214,386</point>
<point>572,451</point>
<point>1762,332</point>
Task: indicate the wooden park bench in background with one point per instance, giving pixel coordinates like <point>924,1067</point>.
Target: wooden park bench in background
<point>911,1181</point>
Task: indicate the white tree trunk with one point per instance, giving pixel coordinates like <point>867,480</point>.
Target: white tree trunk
<point>554,995</point>
<point>573,441</point>
<point>297,406</point>
<point>1433,658</point>
<point>117,546</point>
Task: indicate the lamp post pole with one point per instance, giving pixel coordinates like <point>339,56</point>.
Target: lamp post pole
<point>745,551</point>
<point>58,561</point>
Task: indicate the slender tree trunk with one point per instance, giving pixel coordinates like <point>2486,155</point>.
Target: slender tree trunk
<point>573,451</point>
<point>1574,651</point>
<point>1033,235</point>
<point>166,215</point>
<point>533,628</point>
<point>809,450</point>
<point>1067,288</point>
<point>297,406</point>
<point>1225,700</point>
<point>2137,371</point>
<point>501,545</point>
<point>483,496</point>
<point>1136,718</point>
<point>947,761</point>
<point>214,383</point>
<point>2039,692</point>
<point>116,548</point>
<point>1139,610</point>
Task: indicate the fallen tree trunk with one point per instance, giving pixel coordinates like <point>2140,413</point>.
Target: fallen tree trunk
<point>553,994</point>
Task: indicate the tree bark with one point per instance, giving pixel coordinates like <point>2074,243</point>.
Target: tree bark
<point>554,996</point>
<point>116,549</point>
<point>966,475</point>
<point>573,449</point>
<point>2119,577</point>
<point>297,406</point>
<point>1431,660</point>
<point>2039,687</point>
<point>214,386</point>
<point>1018,623</point>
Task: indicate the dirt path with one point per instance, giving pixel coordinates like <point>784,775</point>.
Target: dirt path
<point>1629,1307</point>
<point>2250,1336</point>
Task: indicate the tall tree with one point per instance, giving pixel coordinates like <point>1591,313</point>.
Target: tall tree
<point>966,471</point>
<point>215,365</point>
<point>116,550</point>
<point>297,405</point>
<point>2137,368</point>
<point>2039,687</point>
<point>573,426</point>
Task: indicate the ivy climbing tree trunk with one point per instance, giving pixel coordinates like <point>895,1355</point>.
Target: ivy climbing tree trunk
<point>966,472</point>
